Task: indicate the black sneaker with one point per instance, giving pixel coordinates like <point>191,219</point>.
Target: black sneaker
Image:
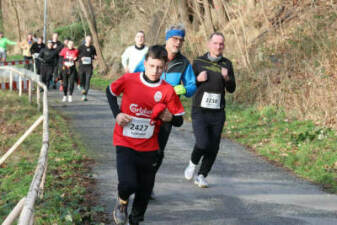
<point>120,213</point>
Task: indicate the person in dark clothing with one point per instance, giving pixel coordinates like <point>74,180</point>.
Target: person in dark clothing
<point>136,131</point>
<point>86,54</point>
<point>58,46</point>
<point>35,50</point>
<point>215,76</point>
<point>47,56</point>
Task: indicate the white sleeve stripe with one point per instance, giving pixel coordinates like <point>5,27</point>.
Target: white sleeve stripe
<point>180,114</point>
<point>111,91</point>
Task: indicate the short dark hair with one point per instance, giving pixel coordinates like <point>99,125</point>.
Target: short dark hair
<point>157,52</point>
<point>216,33</point>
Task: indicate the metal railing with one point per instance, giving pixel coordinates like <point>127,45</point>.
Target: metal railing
<point>25,207</point>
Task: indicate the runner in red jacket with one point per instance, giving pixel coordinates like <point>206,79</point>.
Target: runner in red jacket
<point>69,55</point>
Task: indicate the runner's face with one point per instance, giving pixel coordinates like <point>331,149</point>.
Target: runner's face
<point>216,46</point>
<point>154,68</point>
<point>174,44</point>
<point>50,45</point>
<point>88,40</point>
<point>70,44</point>
<point>55,37</point>
<point>140,39</point>
<point>39,40</point>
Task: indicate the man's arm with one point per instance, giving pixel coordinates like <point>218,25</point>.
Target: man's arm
<point>112,102</point>
<point>125,59</point>
<point>189,82</point>
<point>140,67</point>
<point>230,82</point>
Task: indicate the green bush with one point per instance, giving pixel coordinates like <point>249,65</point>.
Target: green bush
<point>75,31</point>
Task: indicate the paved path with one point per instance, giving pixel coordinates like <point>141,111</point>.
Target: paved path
<point>244,189</point>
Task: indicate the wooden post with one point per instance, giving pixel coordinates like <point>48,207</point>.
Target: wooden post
<point>11,80</point>
<point>38,97</point>
<point>42,182</point>
<point>20,86</point>
<point>15,213</point>
<point>30,90</point>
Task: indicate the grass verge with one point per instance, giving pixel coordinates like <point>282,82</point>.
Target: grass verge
<point>301,146</point>
<point>68,196</point>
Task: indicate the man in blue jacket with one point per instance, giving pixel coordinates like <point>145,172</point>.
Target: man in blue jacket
<point>179,74</point>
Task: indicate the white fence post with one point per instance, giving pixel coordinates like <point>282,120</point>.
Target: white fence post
<point>11,80</point>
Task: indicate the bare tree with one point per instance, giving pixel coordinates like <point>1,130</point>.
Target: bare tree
<point>14,5</point>
<point>1,18</point>
<point>208,17</point>
<point>183,11</point>
<point>93,31</point>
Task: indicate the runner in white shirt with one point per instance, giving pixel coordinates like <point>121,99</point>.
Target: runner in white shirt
<point>135,53</point>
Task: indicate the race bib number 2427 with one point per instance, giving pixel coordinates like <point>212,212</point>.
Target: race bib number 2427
<point>138,128</point>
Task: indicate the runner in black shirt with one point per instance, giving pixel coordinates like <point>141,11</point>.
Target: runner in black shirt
<point>87,53</point>
<point>35,50</point>
<point>214,76</point>
<point>47,57</point>
<point>58,46</point>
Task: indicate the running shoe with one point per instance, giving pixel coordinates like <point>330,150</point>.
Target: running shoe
<point>79,87</point>
<point>83,98</point>
<point>189,171</point>
<point>64,99</point>
<point>83,92</point>
<point>120,212</point>
<point>70,98</point>
<point>201,181</point>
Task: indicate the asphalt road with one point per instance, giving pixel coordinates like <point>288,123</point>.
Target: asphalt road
<point>244,189</point>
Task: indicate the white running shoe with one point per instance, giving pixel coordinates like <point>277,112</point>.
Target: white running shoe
<point>70,98</point>
<point>201,181</point>
<point>189,171</point>
<point>83,98</point>
<point>64,99</point>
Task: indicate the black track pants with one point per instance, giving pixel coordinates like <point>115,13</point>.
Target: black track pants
<point>46,73</point>
<point>136,172</point>
<point>69,80</point>
<point>207,128</point>
<point>163,136</point>
<point>85,73</point>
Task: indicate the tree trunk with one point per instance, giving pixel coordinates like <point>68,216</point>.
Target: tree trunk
<point>183,12</point>
<point>197,12</point>
<point>92,14</point>
<point>220,11</point>
<point>208,17</point>
<point>1,18</point>
<point>93,31</point>
<point>13,3</point>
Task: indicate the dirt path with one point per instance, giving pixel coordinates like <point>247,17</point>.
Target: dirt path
<point>244,189</point>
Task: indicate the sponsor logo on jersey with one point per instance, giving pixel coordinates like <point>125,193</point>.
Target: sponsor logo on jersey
<point>139,111</point>
<point>157,96</point>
